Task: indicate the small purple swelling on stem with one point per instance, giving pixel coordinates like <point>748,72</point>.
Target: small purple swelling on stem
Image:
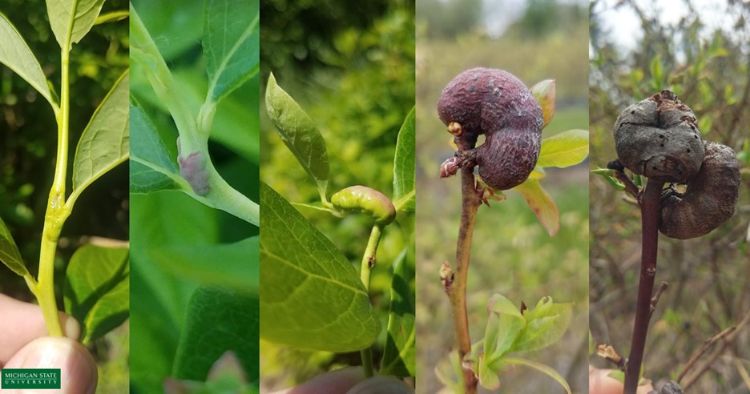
<point>193,169</point>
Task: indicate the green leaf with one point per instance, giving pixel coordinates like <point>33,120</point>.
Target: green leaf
<point>488,377</point>
<point>9,253</point>
<point>299,133</point>
<point>232,265</point>
<point>565,149</point>
<point>218,321</point>
<point>545,325</point>
<point>399,356</point>
<point>450,373</point>
<point>311,297</point>
<point>657,74</point>
<point>105,142</point>
<point>112,16</point>
<point>97,291</point>
<point>16,55</point>
<point>72,19</point>
<point>607,174</point>
<point>404,173</point>
<point>151,168</point>
<point>541,204</point>
<point>544,92</point>
<point>504,325</point>
<point>231,45</point>
<point>541,368</point>
<point>146,59</point>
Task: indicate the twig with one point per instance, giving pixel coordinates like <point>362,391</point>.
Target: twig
<point>456,288</point>
<point>726,338</point>
<point>368,262</point>
<point>619,173</point>
<point>650,213</point>
<point>609,353</point>
<point>655,299</point>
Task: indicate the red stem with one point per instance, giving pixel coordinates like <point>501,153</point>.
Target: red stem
<point>650,213</point>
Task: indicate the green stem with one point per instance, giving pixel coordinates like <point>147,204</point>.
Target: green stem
<point>368,262</point>
<point>223,196</point>
<point>56,210</point>
<point>45,291</point>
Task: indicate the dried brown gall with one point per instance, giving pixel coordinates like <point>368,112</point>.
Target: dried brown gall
<point>658,138</point>
<point>709,199</point>
<point>494,103</point>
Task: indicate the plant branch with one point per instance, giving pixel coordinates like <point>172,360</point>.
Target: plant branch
<point>726,337</point>
<point>368,262</point>
<point>456,288</point>
<point>650,214</point>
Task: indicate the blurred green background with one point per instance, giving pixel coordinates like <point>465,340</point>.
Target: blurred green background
<point>350,65</point>
<point>512,253</point>
<point>701,51</point>
<point>28,140</point>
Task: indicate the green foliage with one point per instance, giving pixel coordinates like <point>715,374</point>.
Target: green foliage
<point>404,174</point>
<point>560,150</point>
<point>151,168</point>
<point>97,292</point>
<point>218,321</point>
<point>227,70</point>
<point>510,331</point>
<point>105,142</point>
<point>360,119</point>
<point>196,268</point>
<point>311,296</point>
<point>399,355</point>
<point>28,136</point>
<point>16,55</point>
<point>71,20</point>
<point>565,149</point>
<point>9,254</point>
<point>299,134</point>
<point>449,18</point>
<point>234,61</point>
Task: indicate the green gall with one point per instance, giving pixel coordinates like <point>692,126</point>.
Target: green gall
<point>362,199</point>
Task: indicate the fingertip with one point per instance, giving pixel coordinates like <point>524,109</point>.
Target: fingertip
<point>77,366</point>
<point>381,385</point>
<point>336,382</point>
<point>70,326</point>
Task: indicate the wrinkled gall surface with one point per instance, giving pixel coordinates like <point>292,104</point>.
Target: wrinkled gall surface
<point>659,138</point>
<point>709,199</point>
<point>497,104</point>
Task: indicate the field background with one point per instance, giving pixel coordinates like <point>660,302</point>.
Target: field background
<point>512,254</point>
<point>700,50</point>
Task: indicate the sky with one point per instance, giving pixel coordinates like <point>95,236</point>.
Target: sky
<point>622,24</point>
<point>500,14</point>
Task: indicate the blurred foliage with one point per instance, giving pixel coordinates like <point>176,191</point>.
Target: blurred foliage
<point>302,36</point>
<point>356,82</point>
<point>512,253</point>
<point>707,66</point>
<point>28,140</point>
<point>450,18</point>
